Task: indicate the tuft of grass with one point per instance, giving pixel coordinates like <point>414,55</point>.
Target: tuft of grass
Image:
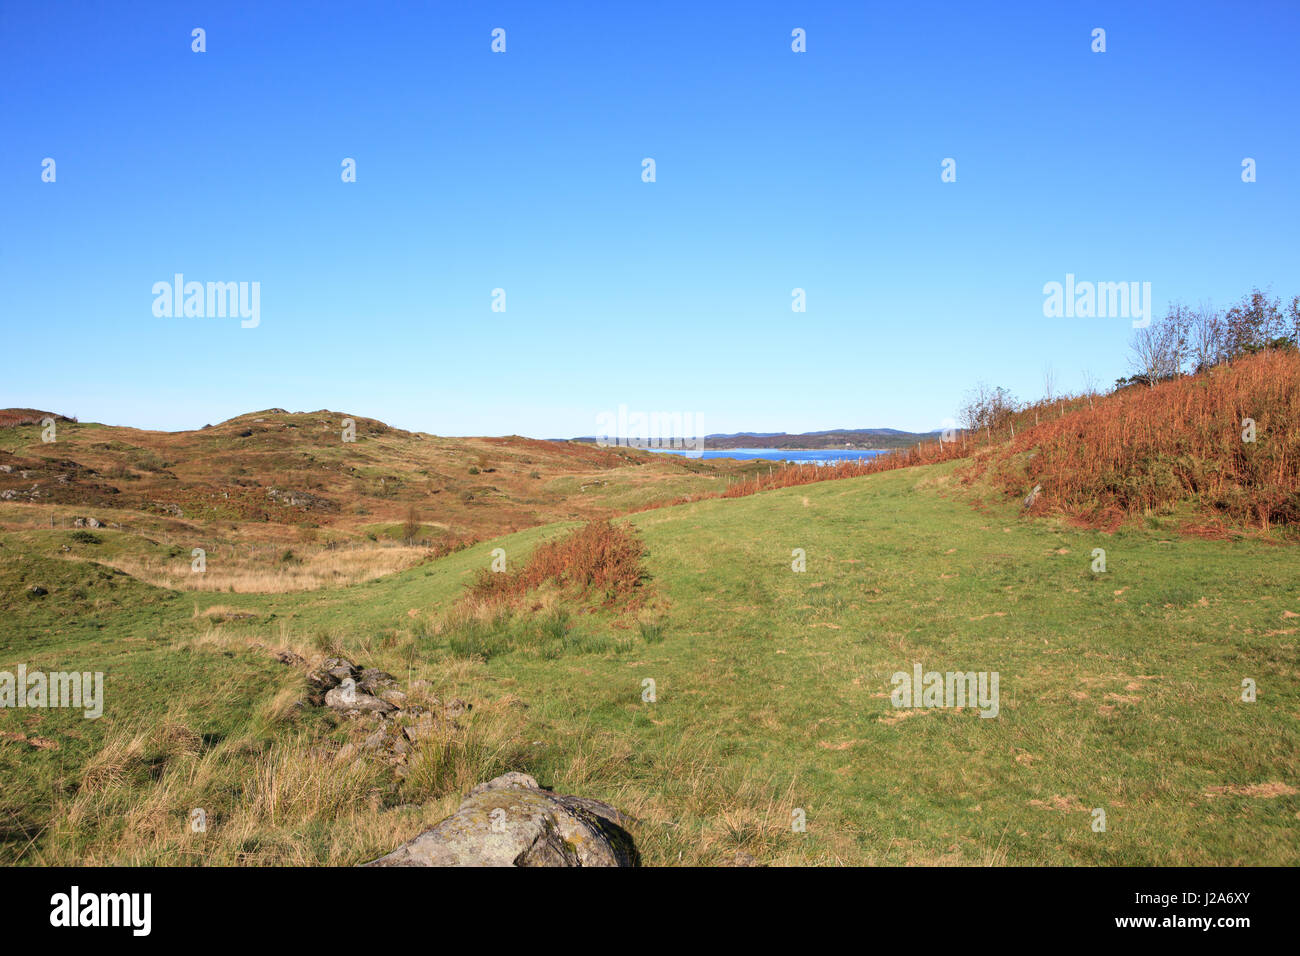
<point>652,632</point>
<point>492,631</point>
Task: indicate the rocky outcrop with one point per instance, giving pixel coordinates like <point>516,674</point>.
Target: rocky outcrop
<point>511,821</point>
<point>301,499</point>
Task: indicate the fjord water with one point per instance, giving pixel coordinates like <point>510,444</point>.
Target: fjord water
<point>806,456</point>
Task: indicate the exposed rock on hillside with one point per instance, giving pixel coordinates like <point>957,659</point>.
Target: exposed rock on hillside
<point>386,722</point>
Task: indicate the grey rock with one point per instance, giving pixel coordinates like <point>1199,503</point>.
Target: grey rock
<point>340,668</point>
<point>1033,496</point>
<point>392,695</point>
<point>373,680</point>
<point>424,727</point>
<point>330,674</point>
<point>522,781</point>
<point>347,699</point>
<point>510,821</point>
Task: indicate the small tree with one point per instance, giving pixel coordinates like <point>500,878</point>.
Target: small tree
<point>1089,385</point>
<point>1253,324</point>
<point>987,409</point>
<point>411,529</point>
<point>1160,349</point>
<point>1177,337</point>
<point>1207,345</point>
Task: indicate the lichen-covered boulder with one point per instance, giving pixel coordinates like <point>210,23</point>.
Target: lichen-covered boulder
<point>511,821</point>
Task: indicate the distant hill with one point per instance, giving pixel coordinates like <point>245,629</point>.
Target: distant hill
<point>277,475</point>
<point>14,417</point>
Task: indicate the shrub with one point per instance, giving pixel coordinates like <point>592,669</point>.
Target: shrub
<point>599,559</point>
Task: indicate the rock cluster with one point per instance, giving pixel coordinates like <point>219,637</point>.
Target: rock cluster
<point>301,499</point>
<point>374,700</point>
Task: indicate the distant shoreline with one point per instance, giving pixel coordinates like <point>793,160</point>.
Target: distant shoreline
<point>750,449</point>
<point>707,448</point>
<point>768,454</point>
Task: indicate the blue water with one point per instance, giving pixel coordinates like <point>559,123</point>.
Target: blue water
<point>816,456</point>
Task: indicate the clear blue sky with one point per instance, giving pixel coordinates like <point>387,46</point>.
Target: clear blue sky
<point>522,171</point>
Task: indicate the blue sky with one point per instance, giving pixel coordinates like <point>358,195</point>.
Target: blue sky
<point>522,171</point>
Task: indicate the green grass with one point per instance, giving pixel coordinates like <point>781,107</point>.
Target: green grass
<point>1119,691</point>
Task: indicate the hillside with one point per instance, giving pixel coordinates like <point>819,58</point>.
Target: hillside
<point>257,487</point>
<point>1222,445</point>
<point>1220,449</point>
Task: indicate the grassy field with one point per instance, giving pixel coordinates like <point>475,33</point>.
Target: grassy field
<point>1119,690</point>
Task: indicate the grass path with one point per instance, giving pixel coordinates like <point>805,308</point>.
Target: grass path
<point>1119,691</point>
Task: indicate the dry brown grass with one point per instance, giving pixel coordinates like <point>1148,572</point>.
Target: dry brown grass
<point>285,800</point>
<point>1143,449</point>
<point>308,570</point>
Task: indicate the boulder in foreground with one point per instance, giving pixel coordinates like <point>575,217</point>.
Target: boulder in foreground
<point>511,821</point>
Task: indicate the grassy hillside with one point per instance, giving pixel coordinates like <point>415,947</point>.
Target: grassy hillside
<point>1119,690</point>
<point>279,501</point>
